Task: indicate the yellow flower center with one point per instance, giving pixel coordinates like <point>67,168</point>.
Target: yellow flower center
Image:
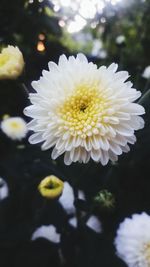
<point>81,111</point>
<point>15,125</point>
<point>51,187</point>
<point>3,59</point>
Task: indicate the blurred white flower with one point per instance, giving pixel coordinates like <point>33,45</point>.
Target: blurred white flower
<point>120,39</point>
<point>146,73</point>
<point>11,63</point>
<point>67,199</point>
<point>94,223</point>
<point>133,240</point>
<point>102,54</point>
<point>97,46</point>
<point>83,37</point>
<point>48,232</point>
<point>84,111</point>
<point>14,127</point>
<point>4,191</point>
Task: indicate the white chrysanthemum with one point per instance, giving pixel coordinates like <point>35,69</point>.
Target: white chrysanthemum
<point>120,39</point>
<point>133,240</point>
<point>84,111</point>
<point>14,127</point>
<point>11,63</point>
<point>146,73</point>
<point>48,232</point>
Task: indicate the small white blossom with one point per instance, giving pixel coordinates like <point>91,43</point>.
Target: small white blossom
<point>84,112</point>
<point>146,73</point>
<point>11,63</point>
<point>120,39</point>
<point>48,232</point>
<point>67,199</point>
<point>94,223</point>
<point>133,240</point>
<point>14,127</point>
<point>4,191</point>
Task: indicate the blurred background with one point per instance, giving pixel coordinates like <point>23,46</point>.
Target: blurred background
<point>106,31</point>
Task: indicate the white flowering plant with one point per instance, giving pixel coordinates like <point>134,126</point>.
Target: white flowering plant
<point>74,136</point>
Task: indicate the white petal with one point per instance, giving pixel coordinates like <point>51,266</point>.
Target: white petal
<point>67,158</point>
<point>113,67</point>
<point>82,58</point>
<point>94,223</point>
<point>67,199</point>
<point>115,149</point>
<point>4,191</point>
<point>73,222</point>
<point>95,154</point>
<point>134,109</point>
<point>35,138</point>
<point>48,232</point>
<point>104,157</point>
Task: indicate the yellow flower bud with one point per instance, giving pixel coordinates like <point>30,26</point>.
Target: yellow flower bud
<point>51,187</point>
<point>5,116</point>
<point>11,63</point>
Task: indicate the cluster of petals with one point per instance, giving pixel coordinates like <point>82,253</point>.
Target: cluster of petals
<point>83,111</point>
<point>133,240</point>
<point>11,63</point>
<point>14,127</point>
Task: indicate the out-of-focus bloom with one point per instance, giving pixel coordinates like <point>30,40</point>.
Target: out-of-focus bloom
<point>133,240</point>
<point>51,187</point>
<point>105,199</point>
<point>48,232</point>
<point>67,199</point>
<point>94,223</point>
<point>5,116</point>
<point>120,39</point>
<point>97,46</point>
<point>84,111</point>
<point>146,73</point>
<point>4,191</point>
<point>14,127</point>
<point>102,54</point>
<point>11,63</point>
<point>98,50</point>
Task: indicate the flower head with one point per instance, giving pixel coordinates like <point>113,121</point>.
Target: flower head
<point>11,63</point>
<point>133,240</point>
<point>105,199</point>
<point>51,187</point>
<point>14,127</point>
<point>120,39</point>
<point>84,111</point>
